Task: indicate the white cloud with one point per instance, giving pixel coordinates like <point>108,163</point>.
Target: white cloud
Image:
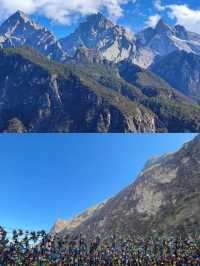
<point>152,21</point>
<point>185,16</point>
<point>11,6</point>
<point>63,11</point>
<point>158,5</point>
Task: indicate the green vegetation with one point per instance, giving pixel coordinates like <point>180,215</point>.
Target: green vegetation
<point>126,87</point>
<point>89,75</point>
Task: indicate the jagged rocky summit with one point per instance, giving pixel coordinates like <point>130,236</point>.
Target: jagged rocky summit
<point>19,30</point>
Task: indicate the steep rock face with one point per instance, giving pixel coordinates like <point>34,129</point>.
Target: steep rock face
<point>19,30</point>
<point>145,88</point>
<point>164,198</point>
<point>182,71</point>
<point>39,95</point>
<point>169,105</point>
<point>112,41</point>
<point>47,97</point>
<point>86,56</point>
<point>59,226</point>
<point>165,39</point>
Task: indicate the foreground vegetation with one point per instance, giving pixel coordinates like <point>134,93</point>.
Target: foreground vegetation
<point>39,248</point>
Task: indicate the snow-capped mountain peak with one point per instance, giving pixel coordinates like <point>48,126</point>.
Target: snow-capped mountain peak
<point>165,39</point>
<point>114,42</point>
<point>19,30</point>
<point>162,27</point>
<point>18,20</point>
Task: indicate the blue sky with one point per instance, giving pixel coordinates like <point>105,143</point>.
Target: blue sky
<point>135,16</point>
<point>63,16</point>
<point>45,177</point>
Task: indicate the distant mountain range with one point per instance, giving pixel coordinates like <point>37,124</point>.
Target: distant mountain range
<point>164,199</point>
<point>98,79</point>
<point>165,39</point>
